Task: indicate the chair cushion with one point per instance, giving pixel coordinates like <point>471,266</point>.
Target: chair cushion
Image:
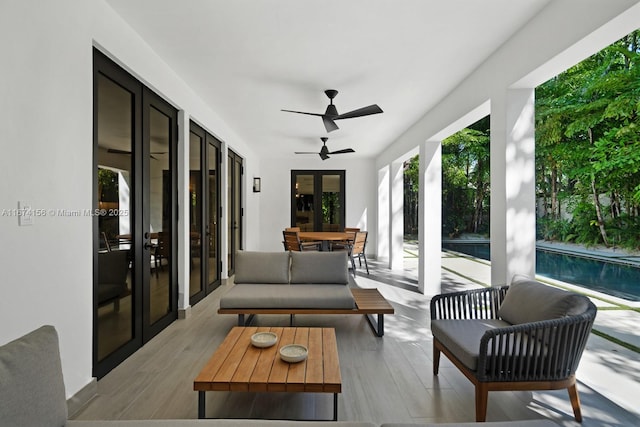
<point>31,384</point>
<point>531,301</point>
<point>287,296</point>
<point>262,267</point>
<point>462,336</point>
<point>319,268</point>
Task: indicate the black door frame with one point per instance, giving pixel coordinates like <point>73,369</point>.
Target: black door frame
<point>143,100</point>
<point>235,174</point>
<point>317,191</point>
<point>207,143</point>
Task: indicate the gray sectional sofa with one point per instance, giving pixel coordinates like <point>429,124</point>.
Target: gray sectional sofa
<point>32,394</point>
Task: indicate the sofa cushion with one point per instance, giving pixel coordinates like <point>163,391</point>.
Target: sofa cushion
<point>31,384</point>
<point>531,301</point>
<point>462,336</point>
<point>319,267</point>
<point>262,267</point>
<point>287,296</point>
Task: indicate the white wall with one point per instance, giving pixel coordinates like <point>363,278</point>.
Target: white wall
<point>275,209</point>
<point>46,104</point>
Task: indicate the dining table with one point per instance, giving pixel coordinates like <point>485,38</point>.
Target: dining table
<point>326,237</point>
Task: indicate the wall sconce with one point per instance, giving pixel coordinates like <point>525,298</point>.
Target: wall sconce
<point>256,185</point>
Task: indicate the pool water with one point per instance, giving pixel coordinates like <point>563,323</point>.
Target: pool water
<point>611,278</point>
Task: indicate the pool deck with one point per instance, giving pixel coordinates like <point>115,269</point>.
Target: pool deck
<point>608,367</point>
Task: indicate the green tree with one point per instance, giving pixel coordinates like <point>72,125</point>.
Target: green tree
<point>588,139</point>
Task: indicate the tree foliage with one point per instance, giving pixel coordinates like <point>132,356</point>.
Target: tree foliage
<point>587,157</point>
<point>588,148</point>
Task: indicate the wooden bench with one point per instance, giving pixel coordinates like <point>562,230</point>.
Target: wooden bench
<point>369,302</point>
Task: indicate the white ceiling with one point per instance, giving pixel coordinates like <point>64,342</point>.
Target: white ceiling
<point>251,58</point>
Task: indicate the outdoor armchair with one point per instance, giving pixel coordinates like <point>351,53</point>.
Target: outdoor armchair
<point>527,336</point>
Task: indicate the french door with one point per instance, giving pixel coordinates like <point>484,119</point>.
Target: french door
<point>134,213</point>
<point>205,264</point>
<point>317,200</point>
<point>235,171</point>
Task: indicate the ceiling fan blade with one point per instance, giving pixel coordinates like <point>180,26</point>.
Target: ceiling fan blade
<point>306,152</point>
<point>364,111</point>
<point>303,112</point>
<point>346,150</point>
<point>329,124</point>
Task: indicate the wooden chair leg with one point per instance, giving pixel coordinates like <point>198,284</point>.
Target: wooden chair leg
<point>436,359</point>
<point>482,398</point>
<point>575,402</point>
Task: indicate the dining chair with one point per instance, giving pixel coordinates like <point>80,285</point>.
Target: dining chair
<point>358,250</point>
<point>292,242</point>
<point>344,245</point>
<point>315,245</point>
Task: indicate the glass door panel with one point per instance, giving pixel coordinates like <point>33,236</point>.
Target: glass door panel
<point>305,190</point>
<point>196,142</point>
<point>115,278</point>
<point>160,230</point>
<point>331,203</point>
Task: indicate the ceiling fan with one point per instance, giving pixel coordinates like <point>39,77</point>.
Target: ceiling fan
<point>331,114</point>
<point>324,151</point>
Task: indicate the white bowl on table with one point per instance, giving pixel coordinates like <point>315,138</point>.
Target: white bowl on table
<point>293,353</point>
<point>264,339</point>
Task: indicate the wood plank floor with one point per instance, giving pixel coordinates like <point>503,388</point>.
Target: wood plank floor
<point>385,379</point>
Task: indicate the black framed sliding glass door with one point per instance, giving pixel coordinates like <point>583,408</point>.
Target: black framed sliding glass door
<point>134,212</point>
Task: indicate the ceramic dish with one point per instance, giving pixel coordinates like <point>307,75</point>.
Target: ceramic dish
<point>293,353</point>
<point>264,339</point>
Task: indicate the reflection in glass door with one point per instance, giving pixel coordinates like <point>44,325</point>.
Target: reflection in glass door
<point>114,273</point>
<point>135,280</point>
<point>204,155</point>
<point>303,199</point>
<point>159,237</point>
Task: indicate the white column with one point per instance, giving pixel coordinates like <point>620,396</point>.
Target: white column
<point>183,215</point>
<point>430,218</point>
<point>396,216</point>
<point>513,221</point>
<point>382,252</point>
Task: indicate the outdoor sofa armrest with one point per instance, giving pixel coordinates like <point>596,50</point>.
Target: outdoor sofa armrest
<point>471,304</point>
<point>547,350</point>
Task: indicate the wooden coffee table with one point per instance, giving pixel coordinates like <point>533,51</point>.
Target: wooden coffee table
<point>239,366</point>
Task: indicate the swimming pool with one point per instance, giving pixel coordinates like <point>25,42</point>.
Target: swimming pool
<point>609,277</point>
